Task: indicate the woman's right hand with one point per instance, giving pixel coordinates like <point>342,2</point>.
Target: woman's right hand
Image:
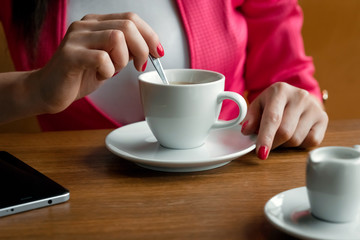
<point>94,49</point>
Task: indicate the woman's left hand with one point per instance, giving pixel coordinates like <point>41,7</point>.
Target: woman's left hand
<point>284,115</point>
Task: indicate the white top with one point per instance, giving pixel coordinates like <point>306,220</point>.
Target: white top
<point>119,96</point>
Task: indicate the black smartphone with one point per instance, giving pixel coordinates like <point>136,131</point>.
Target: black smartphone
<point>23,188</point>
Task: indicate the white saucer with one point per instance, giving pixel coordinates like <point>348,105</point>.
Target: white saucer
<point>135,142</point>
<point>290,212</point>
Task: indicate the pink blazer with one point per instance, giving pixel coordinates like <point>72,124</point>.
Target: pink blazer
<point>254,43</point>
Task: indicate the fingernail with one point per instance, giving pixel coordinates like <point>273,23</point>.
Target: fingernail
<point>160,50</point>
<point>263,152</point>
<point>144,66</point>
<point>244,126</point>
<point>116,73</point>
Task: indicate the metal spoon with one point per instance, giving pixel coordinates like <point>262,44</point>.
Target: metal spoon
<point>157,65</point>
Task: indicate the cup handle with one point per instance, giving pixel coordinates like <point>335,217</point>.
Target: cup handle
<point>240,101</point>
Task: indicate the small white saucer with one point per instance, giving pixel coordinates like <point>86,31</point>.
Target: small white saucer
<point>290,212</point>
<point>135,142</point>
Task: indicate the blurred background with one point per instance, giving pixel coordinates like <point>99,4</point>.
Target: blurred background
<point>331,34</point>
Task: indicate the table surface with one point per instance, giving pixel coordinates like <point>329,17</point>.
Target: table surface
<point>112,198</point>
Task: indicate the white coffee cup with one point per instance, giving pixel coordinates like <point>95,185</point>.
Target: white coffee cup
<point>333,183</point>
<point>181,114</point>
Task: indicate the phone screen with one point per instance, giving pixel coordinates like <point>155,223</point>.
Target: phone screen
<point>24,188</point>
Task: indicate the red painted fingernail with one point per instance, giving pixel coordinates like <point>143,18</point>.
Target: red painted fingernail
<point>116,73</point>
<point>160,50</point>
<point>263,152</point>
<point>144,66</point>
<point>244,125</point>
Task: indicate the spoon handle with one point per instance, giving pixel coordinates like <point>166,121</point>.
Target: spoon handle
<point>157,65</point>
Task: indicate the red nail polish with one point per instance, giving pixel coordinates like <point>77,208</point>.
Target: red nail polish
<point>160,50</point>
<point>244,125</point>
<point>115,73</point>
<point>263,152</point>
<point>144,66</point>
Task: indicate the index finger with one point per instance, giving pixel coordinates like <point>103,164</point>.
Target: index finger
<point>269,124</point>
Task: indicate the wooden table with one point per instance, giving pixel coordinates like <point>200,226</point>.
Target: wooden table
<point>112,198</point>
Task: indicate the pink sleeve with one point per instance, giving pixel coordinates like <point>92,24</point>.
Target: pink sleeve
<point>275,47</point>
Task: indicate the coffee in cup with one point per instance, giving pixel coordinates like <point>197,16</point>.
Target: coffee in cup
<point>181,114</point>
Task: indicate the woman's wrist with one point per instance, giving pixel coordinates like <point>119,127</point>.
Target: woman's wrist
<point>19,96</point>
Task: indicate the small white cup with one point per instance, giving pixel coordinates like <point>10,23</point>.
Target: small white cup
<point>333,183</point>
<point>181,114</point>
